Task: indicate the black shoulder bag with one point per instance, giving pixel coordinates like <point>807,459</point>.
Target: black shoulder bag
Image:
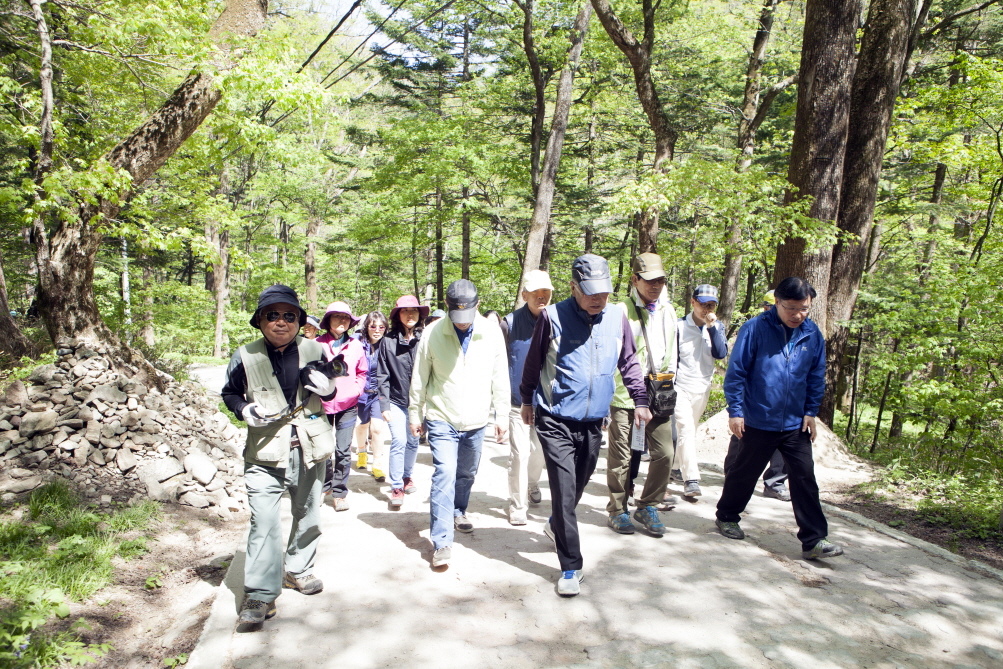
<point>661,389</point>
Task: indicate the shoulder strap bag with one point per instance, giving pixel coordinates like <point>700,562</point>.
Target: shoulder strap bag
<point>660,386</point>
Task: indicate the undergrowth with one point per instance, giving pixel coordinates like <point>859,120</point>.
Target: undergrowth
<point>55,551</point>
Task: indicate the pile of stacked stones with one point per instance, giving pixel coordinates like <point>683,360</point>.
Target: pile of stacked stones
<point>117,439</point>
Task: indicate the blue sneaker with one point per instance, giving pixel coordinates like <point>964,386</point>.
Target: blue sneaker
<point>648,516</point>
<point>620,523</point>
<point>569,583</point>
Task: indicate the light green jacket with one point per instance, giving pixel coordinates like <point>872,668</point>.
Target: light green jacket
<point>459,388</point>
<point>664,320</point>
<point>269,445</point>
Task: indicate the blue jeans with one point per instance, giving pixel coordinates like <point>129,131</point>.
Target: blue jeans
<point>403,446</point>
<point>456,456</point>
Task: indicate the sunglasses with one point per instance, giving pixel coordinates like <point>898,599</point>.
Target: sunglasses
<point>288,317</point>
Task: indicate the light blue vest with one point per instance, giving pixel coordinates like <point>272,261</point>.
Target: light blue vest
<point>576,381</point>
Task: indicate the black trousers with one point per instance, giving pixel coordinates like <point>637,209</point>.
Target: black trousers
<point>571,451</point>
<point>775,476</point>
<point>746,460</point>
<point>340,462</point>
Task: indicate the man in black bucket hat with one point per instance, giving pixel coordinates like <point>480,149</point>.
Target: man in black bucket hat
<point>285,450</point>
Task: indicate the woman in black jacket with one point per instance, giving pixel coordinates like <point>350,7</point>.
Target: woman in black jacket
<point>396,362</point>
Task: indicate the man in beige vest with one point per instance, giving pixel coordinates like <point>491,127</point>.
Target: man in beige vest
<point>285,451</point>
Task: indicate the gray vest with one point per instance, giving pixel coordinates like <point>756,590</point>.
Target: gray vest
<point>269,445</point>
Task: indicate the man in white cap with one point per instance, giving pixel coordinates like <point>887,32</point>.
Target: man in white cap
<point>460,371</point>
<point>525,464</point>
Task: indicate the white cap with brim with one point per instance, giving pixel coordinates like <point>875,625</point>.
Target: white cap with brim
<point>537,279</point>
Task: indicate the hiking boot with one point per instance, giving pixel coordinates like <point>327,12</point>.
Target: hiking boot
<point>648,516</point>
<point>549,531</point>
<point>341,504</point>
<point>675,476</point>
<point>308,585</point>
<point>379,475</point>
<point>823,549</point>
<point>409,486</point>
<point>535,496</point>
<point>442,556</point>
<point>620,523</point>
<point>730,530</point>
<point>396,498</point>
<point>784,495</point>
<point>568,585</point>
<point>363,460</point>
<point>517,517</point>
<point>691,489</point>
<point>462,524</point>
<point>255,611</point>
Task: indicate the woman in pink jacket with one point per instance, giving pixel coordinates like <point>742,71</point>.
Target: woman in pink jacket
<point>343,410</point>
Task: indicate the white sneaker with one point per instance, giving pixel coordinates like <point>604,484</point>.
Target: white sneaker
<point>535,496</point>
<point>569,583</point>
<point>441,556</point>
<point>517,517</point>
<point>549,531</point>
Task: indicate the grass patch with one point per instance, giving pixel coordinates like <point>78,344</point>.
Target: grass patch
<point>58,552</point>
<point>233,417</point>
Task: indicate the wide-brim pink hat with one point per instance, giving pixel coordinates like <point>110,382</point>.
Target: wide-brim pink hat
<point>409,302</point>
<point>338,308</point>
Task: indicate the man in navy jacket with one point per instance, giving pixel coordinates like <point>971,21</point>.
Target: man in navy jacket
<point>774,386</point>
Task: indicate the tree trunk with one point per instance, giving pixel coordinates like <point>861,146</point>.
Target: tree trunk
<point>220,242</point>
<point>875,90</point>
<point>440,276</point>
<point>540,222</point>
<point>66,254</point>
<point>753,83</point>
<point>146,332</point>
<point>465,224</point>
<point>638,54</point>
<point>13,343</point>
<point>126,289</point>
<point>732,271</point>
<point>820,132</point>
<point>310,263</point>
<point>539,92</point>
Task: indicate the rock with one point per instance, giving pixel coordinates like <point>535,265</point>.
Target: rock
<point>58,437</point>
<point>16,394</point>
<point>72,423</point>
<point>37,422</point>
<point>161,470</point>
<point>125,460</point>
<point>33,458</point>
<point>216,484</point>
<point>96,457</point>
<point>18,473</point>
<point>110,443</point>
<point>93,433</point>
<point>44,374</point>
<point>4,426</point>
<point>130,419</point>
<point>86,414</point>
<point>20,485</point>
<point>200,466</point>
<point>80,453</point>
<point>108,394</point>
<point>194,499</point>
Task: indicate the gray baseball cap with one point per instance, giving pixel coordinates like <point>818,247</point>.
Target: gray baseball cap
<point>462,301</point>
<point>591,273</point>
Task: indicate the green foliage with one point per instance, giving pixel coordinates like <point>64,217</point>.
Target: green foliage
<point>59,552</point>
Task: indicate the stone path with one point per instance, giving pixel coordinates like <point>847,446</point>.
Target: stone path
<point>690,599</point>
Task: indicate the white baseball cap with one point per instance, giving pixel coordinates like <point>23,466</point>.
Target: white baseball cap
<point>537,279</point>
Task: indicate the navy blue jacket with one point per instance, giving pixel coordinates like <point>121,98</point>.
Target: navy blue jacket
<point>518,330</point>
<point>769,387</point>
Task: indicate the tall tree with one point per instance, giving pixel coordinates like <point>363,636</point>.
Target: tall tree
<point>639,55</point>
<point>828,58</point>
<point>880,66</point>
<point>540,222</point>
<point>66,248</point>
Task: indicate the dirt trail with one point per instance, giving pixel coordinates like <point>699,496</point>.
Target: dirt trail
<point>690,599</point>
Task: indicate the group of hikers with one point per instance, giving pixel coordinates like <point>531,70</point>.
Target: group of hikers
<point>552,377</point>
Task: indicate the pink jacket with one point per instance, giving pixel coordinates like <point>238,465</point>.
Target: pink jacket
<point>349,387</point>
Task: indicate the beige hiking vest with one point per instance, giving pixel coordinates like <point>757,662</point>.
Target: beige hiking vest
<point>269,445</point>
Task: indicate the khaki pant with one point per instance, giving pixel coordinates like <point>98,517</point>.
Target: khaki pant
<point>525,465</point>
<point>689,408</point>
<point>658,434</point>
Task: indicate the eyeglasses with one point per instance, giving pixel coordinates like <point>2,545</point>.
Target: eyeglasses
<point>288,317</point>
<point>660,281</point>
<point>800,310</point>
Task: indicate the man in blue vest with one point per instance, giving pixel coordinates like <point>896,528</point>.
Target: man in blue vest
<point>525,463</point>
<point>567,385</point>
<point>774,386</point>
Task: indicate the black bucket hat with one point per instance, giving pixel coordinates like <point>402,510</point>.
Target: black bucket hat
<point>275,295</point>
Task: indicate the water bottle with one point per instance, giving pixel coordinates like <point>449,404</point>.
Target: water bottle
<point>637,438</point>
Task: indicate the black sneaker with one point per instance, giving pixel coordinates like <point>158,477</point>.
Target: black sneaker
<point>255,611</point>
<point>730,530</point>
